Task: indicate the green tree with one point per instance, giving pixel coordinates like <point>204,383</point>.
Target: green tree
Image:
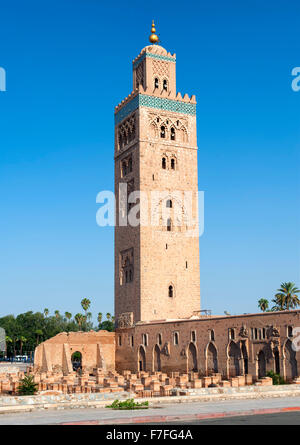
<point>22,340</point>
<point>99,318</point>
<point>79,318</point>
<point>46,312</point>
<point>57,314</point>
<point>286,298</point>
<point>68,315</point>
<point>38,333</point>
<point>263,304</point>
<point>108,316</point>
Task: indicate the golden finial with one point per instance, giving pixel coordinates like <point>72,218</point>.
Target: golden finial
<point>153,38</point>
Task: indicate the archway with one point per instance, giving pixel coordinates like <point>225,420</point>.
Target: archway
<point>142,359</point>
<point>157,361</point>
<point>245,357</point>
<point>261,364</point>
<point>290,360</point>
<point>76,360</point>
<point>234,355</point>
<point>211,359</point>
<point>277,360</point>
<point>192,358</point>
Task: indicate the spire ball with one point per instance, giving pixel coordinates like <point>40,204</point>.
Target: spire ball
<point>153,38</point>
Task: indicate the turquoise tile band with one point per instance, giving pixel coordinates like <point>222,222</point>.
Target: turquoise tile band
<point>159,103</point>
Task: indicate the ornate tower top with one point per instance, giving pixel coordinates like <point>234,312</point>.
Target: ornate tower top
<point>153,38</point>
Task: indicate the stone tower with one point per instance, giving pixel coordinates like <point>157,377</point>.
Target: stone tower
<point>157,272</point>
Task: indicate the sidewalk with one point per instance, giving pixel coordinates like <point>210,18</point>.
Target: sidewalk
<point>183,417</point>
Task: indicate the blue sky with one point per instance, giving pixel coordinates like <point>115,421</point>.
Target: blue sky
<point>68,63</point>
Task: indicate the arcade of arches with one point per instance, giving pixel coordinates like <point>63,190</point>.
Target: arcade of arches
<point>231,346</point>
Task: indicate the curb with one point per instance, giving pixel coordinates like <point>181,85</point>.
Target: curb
<point>153,402</point>
<point>159,419</point>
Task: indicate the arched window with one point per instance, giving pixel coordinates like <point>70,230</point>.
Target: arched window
<point>173,164</point>
<point>212,335</point>
<point>172,134</point>
<point>164,163</point>
<point>165,85</point>
<point>170,291</point>
<point>169,204</point>
<point>193,336</point>
<point>290,331</point>
<point>163,131</point>
<point>159,339</point>
<point>169,225</point>
<point>156,84</point>
<point>231,334</point>
<point>176,338</point>
<point>145,339</point>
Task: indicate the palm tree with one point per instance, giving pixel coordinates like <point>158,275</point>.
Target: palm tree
<point>38,333</point>
<point>99,318</point>
<point>68,315</point>
<point>7,341</point>
<point>56,313</point>
<point>85,303</point>
<point>108,316</point>
<point>286,297</point>
<point>22,340</point>
<point>263,304</point>
<point>79,318</point>
<point>46,312</point>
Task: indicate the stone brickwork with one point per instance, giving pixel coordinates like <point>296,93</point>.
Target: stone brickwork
<point>156,154</point>
<point>232,345</point>
<point>97,350</point>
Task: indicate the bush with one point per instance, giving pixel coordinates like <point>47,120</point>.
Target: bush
<point>27,386</point>
<point>277,378</point>
<point>128,404</point>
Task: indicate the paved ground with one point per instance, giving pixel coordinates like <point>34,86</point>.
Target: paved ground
<point>292,418</point>
<point>180,412</point>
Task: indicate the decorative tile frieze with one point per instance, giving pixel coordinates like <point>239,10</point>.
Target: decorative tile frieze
<point>159,103</point>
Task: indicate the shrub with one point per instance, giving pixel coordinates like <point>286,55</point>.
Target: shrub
<point>277,378</point>
<point>27,386</point>
<point>128,404</point>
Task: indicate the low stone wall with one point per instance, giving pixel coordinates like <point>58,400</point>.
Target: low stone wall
<point>14,404</point>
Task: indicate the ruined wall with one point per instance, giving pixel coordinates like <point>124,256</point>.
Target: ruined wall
<point>97,350</point>
<point>232,345</point>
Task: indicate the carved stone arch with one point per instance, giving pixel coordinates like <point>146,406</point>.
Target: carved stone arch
<point>156,354</point>
<point>165,81</point>
<point>153,130</point>
<point>156,82</point>
<point>183,134</point>
<point>261,363</point>
<point>164,129</point>
<point>141,358</point>
<point>178,212</point>
<point>290,361</point>
<point>192,357</point>
<point>233,359</point>
<point>211,358</point>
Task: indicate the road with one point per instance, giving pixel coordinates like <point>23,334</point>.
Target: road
<point>183,412</point>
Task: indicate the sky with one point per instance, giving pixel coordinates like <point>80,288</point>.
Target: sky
<point>68,63</point>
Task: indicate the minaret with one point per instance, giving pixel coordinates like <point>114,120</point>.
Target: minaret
<point>157,272</point>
